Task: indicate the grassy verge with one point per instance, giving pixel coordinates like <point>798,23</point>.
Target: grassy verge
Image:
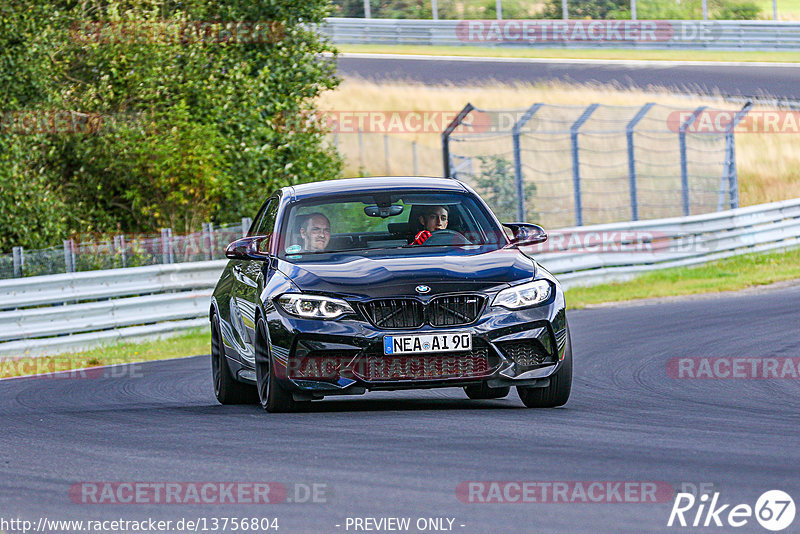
<point>191,343</point>
<point>730,274</point>
<point>585,53</point>
<point>787,9</point>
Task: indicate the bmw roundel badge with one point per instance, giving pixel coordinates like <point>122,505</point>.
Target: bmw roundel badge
<point>423,289</point>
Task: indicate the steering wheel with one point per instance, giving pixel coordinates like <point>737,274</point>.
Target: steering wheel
<point>447,237</point>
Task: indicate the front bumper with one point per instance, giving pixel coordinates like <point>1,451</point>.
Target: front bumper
<point>314,358</point>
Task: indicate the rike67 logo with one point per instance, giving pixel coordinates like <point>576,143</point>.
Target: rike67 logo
<point>774,510</point>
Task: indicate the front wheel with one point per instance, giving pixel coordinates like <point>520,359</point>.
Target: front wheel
<point>557,393</point>
<point>272,396</point>
<point>227,389</point>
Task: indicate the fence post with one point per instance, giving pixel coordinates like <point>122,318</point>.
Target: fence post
<point>166,246</point>
<point>576,165</point>
<point>69,255</point>
<point>367,10</point>
<point>518,178</point>
<point>360,149</point>
<point>446,137</point>
<point>414,157</point>
<point>684,164</point>
<point>119,248</point>
<point>730,159</point>
<point>435,9</point>
<point>19,261</point>
<point>247,222</point>
<point>208,240</point>
<point>386,153</point>
<point>632,161</point>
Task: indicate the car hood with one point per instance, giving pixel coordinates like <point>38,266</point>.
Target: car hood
<point>396,273</point>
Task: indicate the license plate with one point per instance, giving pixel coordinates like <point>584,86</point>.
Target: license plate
<point>450,342</point>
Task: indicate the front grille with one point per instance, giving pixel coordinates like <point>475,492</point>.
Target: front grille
<point>450,310</point>
<point>395,313</point>
<point>454,310</point>
<point>374,366</point>
<point>526,352</point>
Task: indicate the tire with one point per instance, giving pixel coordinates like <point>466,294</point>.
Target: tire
<point>271,395</point>
<point>557,393</point>
<point>483,391</point>
<point>227,389</point>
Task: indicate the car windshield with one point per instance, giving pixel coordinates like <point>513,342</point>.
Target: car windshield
<point>388,221</point>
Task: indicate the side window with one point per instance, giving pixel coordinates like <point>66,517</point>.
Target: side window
<point>266,219</point>
<point>266,225</point>
<point>259,216</point>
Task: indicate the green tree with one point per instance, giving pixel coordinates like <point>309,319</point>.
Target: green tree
<point>590,9</point>
<point>191,126</point>
<point>497,186</point>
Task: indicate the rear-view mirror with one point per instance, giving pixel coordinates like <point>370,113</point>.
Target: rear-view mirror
<point>383,211</point>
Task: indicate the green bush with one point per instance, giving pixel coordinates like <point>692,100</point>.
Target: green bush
<point>589,9</point>
<point>655,9</point>
<point>497,186</point>
<point>422,9</point>
<point>187,130</point>
<point>738,11</point>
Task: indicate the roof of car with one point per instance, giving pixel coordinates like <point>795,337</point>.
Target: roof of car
<point>377,183</point>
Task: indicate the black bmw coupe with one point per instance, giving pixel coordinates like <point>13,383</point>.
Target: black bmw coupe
<point>361,284</point>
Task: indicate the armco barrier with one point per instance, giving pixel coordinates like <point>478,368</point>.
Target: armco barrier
<point>659,34</point>
<point>58,313</point>
<point>64,312</point>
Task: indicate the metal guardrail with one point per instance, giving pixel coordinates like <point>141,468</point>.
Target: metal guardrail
<point>65,312</point>
<point>689,34</point>
<point>59,313</point>
<point>637,247</point>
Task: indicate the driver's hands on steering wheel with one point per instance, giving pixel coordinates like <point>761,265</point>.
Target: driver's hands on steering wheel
<point>421,237</point>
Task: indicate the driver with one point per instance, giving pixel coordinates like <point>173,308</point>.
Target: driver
<point>315,232</point>
<point>432,219</point>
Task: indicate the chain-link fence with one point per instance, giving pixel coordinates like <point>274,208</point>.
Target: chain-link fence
<point>575,165</point>
<point>123,251</point>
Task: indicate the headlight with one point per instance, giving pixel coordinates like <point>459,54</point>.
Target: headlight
<point>523,296</point>
<point>313,307</point>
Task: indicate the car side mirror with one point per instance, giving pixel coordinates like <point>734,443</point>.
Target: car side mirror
<point>526,234</point>
<point>247,248</point>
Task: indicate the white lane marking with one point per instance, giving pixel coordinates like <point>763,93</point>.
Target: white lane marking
<point>650,63</point>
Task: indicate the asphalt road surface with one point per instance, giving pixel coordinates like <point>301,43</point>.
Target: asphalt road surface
<point>763,81</point>
<point>405,454</point>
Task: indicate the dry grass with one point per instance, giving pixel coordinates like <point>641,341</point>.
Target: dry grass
<point>768,164</point>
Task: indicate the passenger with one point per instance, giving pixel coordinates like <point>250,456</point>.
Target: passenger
<point>432,219</point>
<point>315,233</point>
